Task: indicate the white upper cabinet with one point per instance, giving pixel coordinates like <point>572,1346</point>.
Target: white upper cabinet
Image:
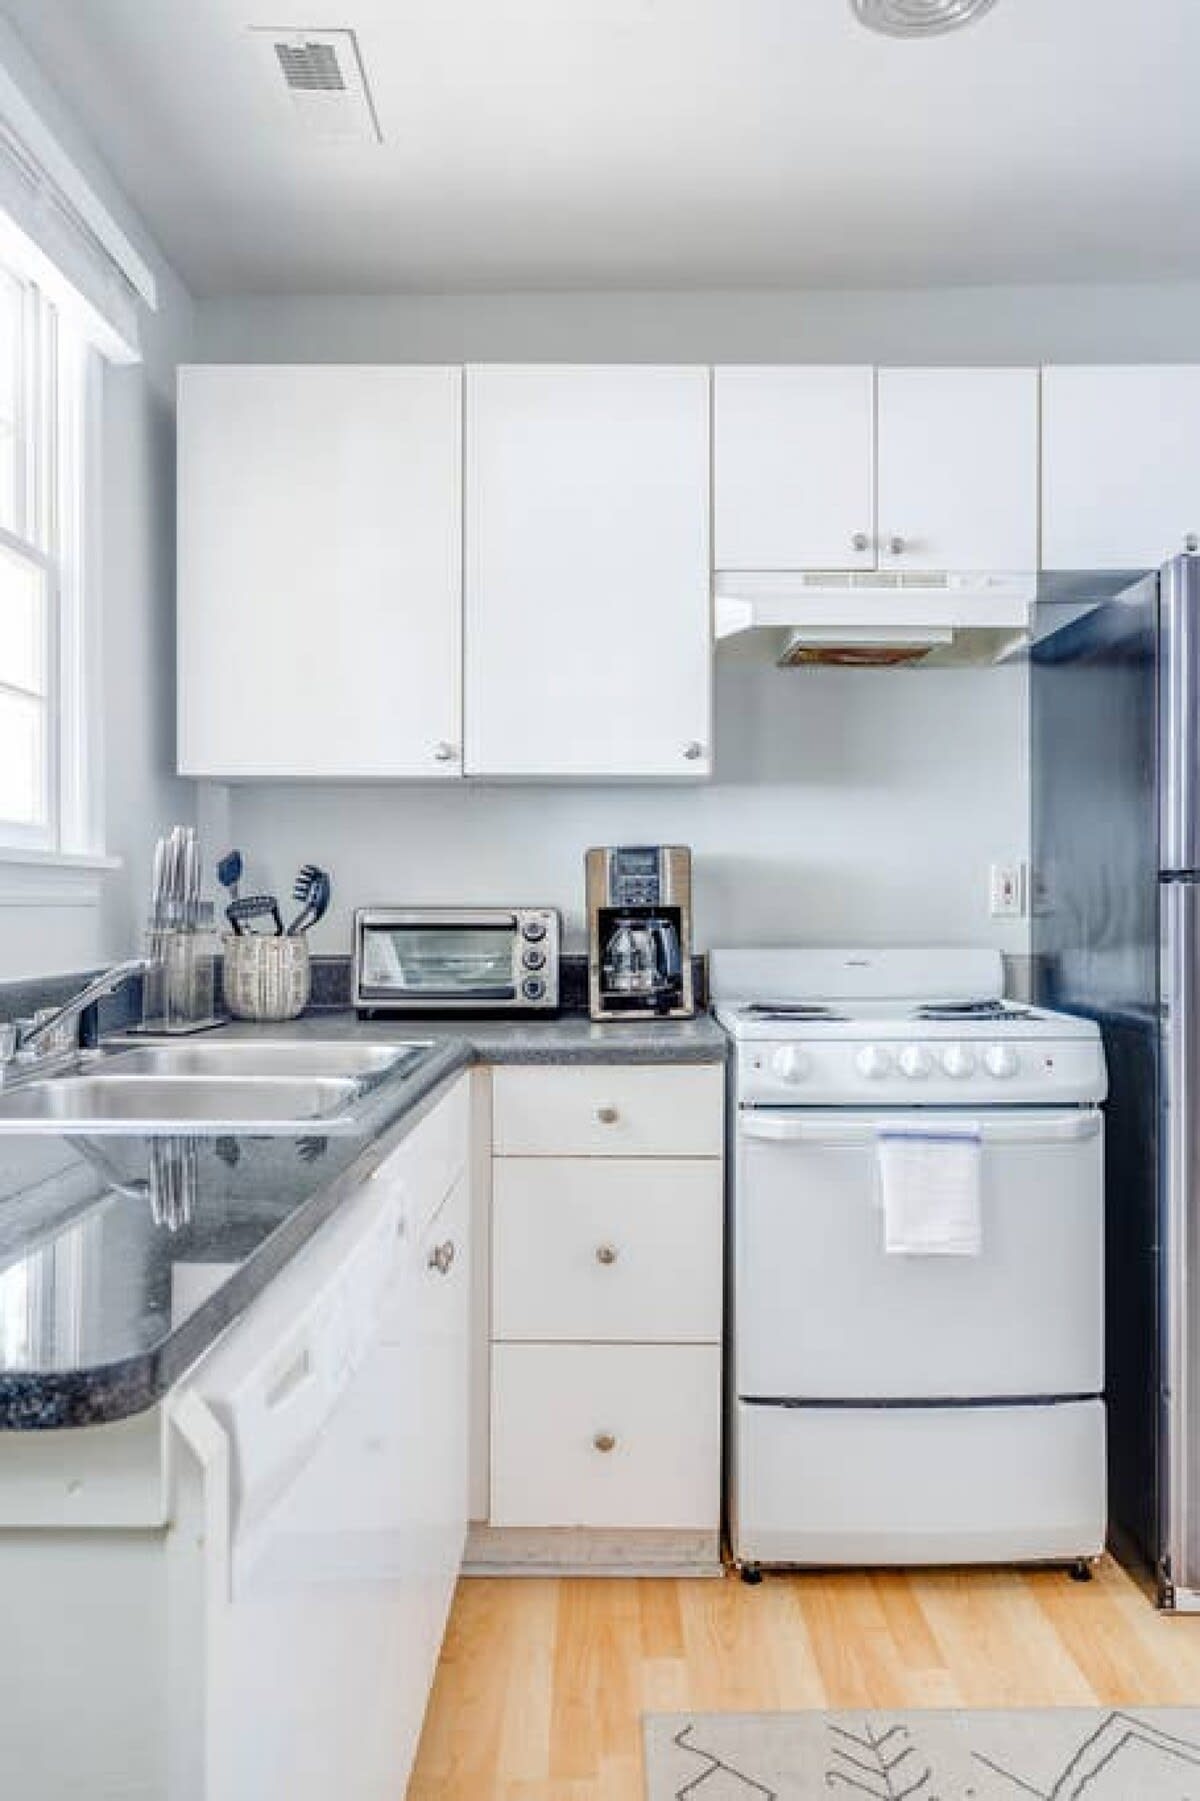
<point>588,608</point>
<point>794,468</point>
<point>958,469</point>
<point>1120,465</point>
<point>320,587</point>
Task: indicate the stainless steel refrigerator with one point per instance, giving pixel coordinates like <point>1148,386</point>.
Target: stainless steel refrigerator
<point>1115,713</point>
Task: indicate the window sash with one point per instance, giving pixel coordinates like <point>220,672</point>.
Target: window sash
<point>34,539</point>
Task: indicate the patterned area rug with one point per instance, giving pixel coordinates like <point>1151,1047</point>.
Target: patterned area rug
<point>1050,1754</point>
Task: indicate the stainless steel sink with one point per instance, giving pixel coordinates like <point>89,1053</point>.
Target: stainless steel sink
<point>248,1102</point>
<point>251,1059</point>
<point>247,1085</point>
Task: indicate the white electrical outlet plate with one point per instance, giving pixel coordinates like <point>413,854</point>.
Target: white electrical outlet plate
<point>1007,886</point>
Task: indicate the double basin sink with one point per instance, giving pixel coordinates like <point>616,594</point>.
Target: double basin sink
<point>246,1086</point>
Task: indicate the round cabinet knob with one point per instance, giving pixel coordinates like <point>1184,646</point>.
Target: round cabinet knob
<point>608,1116</point>
<point>789,1064</point>
<point>606,1254</point>
<point>693,751</point>
<point>957,1060</point>
<point>1001,1060</point>
<point>873,1061</point>
<point>444,752</point>
<point>605,1441</point>
<point>860,541</point>
<point>914,1061</point>
<point>441,1257</point>
<point>896,546</point>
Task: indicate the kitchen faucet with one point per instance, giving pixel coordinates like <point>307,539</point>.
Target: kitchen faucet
<point>35,1043</point>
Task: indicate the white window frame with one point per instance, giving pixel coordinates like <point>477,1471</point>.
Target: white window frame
<point>55,483</point>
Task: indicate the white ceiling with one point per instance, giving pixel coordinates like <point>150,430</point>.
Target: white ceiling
<point>649,143</point>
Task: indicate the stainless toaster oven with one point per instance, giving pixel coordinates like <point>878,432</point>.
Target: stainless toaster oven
<point>456,960</point>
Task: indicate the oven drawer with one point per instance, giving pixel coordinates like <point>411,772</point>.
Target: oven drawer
<point>606,1435</point>
<point>595,1248</point>
<point>824,1313</point>
<point>609,1110</point>
<point>904,1485</point>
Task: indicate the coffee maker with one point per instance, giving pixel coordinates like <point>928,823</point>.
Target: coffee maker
<point>639,913</point>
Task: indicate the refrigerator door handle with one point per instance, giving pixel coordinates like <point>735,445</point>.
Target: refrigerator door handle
<point>1179,1175</point>
<point>1179,716</point>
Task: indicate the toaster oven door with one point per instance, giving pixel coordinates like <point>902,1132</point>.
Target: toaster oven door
<point>424,963</point>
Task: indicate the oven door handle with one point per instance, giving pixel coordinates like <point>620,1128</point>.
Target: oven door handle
<point>1056,1128</point>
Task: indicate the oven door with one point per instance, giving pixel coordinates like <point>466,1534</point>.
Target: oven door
<point>423,962</point>
<point>824,1313</point>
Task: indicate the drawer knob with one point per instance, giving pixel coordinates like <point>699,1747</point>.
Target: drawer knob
<point>608,1116</point>
<point>605,1441</point>
<point>606,1253</point>
<point>441,1257</point>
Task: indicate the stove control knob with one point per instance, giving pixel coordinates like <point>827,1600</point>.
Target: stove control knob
<point>958,1060</point>
<point>1001,1060</point>
<point>914,1061</point>
<point>873,1061</point>
<point>790,1064</point>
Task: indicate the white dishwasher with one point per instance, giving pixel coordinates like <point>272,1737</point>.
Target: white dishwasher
<point>320,1503</point>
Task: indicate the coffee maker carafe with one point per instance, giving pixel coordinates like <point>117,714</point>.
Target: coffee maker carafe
<point>639,908</point>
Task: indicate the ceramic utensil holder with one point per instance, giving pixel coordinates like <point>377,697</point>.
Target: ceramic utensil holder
<point>266,977</point>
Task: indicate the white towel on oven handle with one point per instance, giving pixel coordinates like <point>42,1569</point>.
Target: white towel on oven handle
<point>930,1177</point>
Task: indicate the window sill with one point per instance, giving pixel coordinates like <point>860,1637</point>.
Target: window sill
<point>45,878</point>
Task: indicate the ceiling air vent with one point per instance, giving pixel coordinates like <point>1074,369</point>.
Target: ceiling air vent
<point>319,76</point>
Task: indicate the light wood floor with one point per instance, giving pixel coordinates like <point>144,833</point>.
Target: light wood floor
<point>542,1682</point>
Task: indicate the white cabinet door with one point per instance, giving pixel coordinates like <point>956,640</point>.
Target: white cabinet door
<point>320,604</point>
<point>588,609</point>
<point>958,469</point>
<point>1120,465</point>
<point>443,1279</point>
<point>794,468</point>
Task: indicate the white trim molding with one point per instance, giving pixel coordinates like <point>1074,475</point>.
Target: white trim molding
<point>31,878</point>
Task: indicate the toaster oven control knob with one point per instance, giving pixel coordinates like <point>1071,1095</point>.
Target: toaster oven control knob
<point>533,988</point>
<point>789,1063</point>
<point>534,930</point>
<point>914,1061</point>
<point>533,959</point>
<point>957,1060</point>
<point>874,1061</point>
<point>1001,1060</point>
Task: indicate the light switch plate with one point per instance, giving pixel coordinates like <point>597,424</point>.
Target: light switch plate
<point>1008,883</point>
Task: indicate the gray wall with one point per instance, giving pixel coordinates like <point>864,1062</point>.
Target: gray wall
<point>1133,323</point>
<point>846,805</point>
<point>137,552</point>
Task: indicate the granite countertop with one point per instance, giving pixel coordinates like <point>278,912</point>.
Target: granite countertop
<point>103,1307</point>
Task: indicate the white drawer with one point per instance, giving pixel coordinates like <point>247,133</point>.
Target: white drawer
<point>607,1248</point>
<point>555,1408</point>
<point>609,1110</point>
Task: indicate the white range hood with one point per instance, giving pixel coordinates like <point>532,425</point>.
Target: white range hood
<point>875,618</point>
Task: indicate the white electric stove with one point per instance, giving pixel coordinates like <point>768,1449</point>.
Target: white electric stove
<point>918,1408</point>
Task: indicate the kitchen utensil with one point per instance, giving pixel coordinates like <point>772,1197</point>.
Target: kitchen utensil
<point>229,872</point>
<point>313,889</point>
<point>242,915</point>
